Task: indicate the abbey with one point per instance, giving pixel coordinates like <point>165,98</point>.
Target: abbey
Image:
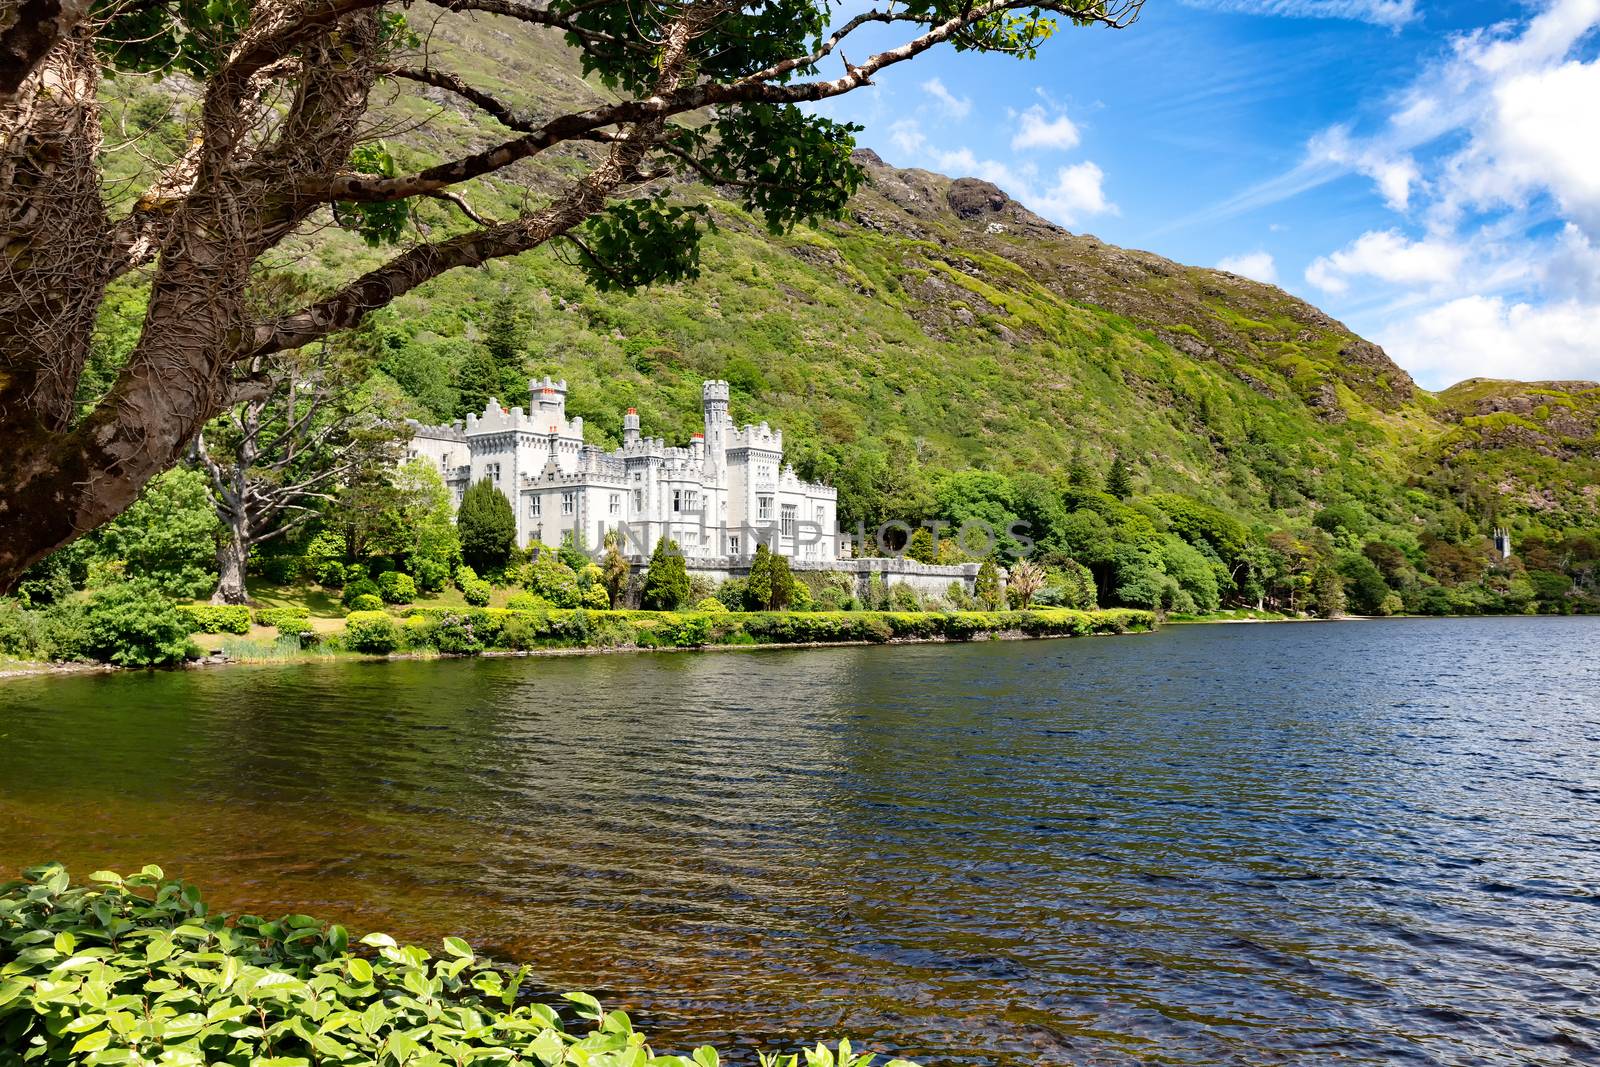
<point>718,497</point>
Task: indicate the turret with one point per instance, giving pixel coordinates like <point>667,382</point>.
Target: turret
<point>549,400</point>
<point>630,427</point>
<point>714,405</point>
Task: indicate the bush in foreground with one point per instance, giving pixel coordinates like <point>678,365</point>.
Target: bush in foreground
<point>138,970</point>
<point>132,624</point>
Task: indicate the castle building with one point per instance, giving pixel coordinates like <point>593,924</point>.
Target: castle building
<point>720,496</point>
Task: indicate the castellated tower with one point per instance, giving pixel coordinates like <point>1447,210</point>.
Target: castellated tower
<point>714,404</point>
<point>549,402</point>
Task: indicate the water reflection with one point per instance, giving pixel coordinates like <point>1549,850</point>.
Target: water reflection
<point>1371,843</point>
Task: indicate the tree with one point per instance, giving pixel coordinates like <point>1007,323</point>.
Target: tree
<point>307,435</point>
<point>986,588</point>
<point>1024,581</point>
<point>1118,482</point>
<point>666,583</point>
<point>711,89</point>
<point>758,586</point>
<point>478,381</point>
<point>506,341</point>
<point>615,569</point>
<point>168,536</point>
<point>487,527</point>
<point>420,529</point>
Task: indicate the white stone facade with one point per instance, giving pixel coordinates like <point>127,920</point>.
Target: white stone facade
<point>718,497</point>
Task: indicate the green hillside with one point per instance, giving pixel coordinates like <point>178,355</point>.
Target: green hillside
<point>942,327</point>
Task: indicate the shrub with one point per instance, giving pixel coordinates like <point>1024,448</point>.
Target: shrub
<point>553,580</point>
<point>396,588</point>
<point>23,633</point>
<point>456,635</point>
<point>731,593</point>
<point>367,602</point>
<point>132,625</point>
<point>904,598</point>
<point>217,618</point>
<point>711,606</point>
<point>528,602</point>
<point>371,631</point>
<point>279,570</point>
<point>476,592</point>
<point>279,616</point>
<point>359,587</point>
<point>430,574</point>
<point>596,598</point>
<point>136,970</point>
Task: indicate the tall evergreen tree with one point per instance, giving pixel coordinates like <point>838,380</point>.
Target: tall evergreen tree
<point>478,379</point>
<point>487,526</point>
<point>666,583</point>
<point>758,587</point>
<point>506,340</point>
<point>1080,475</point>
<point>987,587</point>
<point>1118,482</point>
<point>615,569</point>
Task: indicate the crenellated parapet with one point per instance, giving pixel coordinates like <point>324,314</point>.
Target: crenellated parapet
<point>442,432</point>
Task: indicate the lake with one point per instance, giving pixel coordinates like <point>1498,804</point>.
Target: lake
<point>1366,842</point>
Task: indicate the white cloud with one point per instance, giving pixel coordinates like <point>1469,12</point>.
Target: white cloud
<point>1037,130</point>
<point>1478,336</point>
<point>1544,136</point>
<point>1388,256</point>
<point>957,107</point>
<point>1079,190</point>
<point>1068,196</point>
<point>1390,13</point>
<point>907,136</point>
<point>1394,174</point>
<point>1258,265</point>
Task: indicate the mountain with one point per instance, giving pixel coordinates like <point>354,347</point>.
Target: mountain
<point>943,326</point>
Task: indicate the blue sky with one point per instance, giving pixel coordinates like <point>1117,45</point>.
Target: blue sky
<point>1426,170</point>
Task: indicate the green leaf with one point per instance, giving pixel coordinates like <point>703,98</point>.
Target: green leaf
<point>360,970</point>
<point>458,948</point>
<point>92,1042</point>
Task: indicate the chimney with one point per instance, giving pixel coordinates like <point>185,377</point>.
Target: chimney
<point>630,427</point>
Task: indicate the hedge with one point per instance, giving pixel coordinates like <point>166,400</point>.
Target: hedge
<point>281,617</point>
<point>138,970</point>
<point>457,631</point>
<point>216,618</point>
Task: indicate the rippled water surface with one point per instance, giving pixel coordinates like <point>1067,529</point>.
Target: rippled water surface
<point>1355,843</point>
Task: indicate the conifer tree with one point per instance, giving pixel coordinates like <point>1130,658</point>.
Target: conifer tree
<point>487,526</point>
<point>1118,482</point>
<point>615,569</point>
<point>758,587</point>
<point>987,587</point>
<point>666,583</point>
<point>783,594</point>
<point>1080,475</point>
<point>506,340</point>
<point>477,381</point>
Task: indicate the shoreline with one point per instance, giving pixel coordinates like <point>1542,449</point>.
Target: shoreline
<point>22,669</point>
